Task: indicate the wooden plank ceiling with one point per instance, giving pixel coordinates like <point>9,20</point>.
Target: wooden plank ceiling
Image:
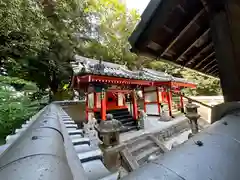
<point>178,31</point>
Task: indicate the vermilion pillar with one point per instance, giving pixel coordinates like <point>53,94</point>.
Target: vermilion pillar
<point>134,102</point>
<point>181,103</point>
<point>144,103</point>
<point>86,108</point>
<point>103,105</point>
<point>169,101</point>
<point>158,101</point>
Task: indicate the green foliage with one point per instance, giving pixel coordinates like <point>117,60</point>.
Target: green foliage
<point>38,39</point>
<point>15,106</point>
<point>206,85</point>
<point>113,24</point>
<point>17,83</point>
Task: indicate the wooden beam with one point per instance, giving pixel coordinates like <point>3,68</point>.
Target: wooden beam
<point>193,44</point>
<point>144,30</point>
<point>167,29</point>
<point>214,60</point>
<point>119,80</point>
<point>209,70</point>
<point>198,54</point>
<point>182,9</point>
<point>184,31</point>
<point>210,55</point>
<point>213,72</point>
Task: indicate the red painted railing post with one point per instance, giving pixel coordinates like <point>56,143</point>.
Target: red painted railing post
<point>86,106</point>
<point>169,101</point>
<point>158,101</point>
<point>103,105</point>
<point>135,108</point>
<point>181,103</point>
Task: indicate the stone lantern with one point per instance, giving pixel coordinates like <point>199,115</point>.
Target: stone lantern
<point>109,130</point>
<point>193,116</point>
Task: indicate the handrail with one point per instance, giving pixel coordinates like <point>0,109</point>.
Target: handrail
<point>193,100</point>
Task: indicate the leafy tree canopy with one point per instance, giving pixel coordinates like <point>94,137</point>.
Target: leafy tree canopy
<point>40,38</point>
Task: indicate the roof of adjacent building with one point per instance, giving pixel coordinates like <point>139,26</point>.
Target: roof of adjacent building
<point>83,66</point>
<point>178,31</point>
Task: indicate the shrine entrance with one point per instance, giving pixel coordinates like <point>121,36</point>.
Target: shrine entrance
<point>115,100</point>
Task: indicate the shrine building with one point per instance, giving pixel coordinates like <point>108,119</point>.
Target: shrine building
<point>114,89</point>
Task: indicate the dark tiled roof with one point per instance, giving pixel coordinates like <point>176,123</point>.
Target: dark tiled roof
<point>83,65</point>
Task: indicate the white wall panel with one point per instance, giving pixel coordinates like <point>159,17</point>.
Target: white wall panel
<point>152,109</point>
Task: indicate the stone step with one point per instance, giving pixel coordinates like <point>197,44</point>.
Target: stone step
<point>75,132</point>
<point>65,115</point>
<point>68,122</point>
<point>82,148</point>
<point>137,151</point>
<point>123,116</point>
<point>143,156</point>
<point>81,141</point>
<point>136,141</point>
<point>90,156</point>
<point>128,128</point>
<point>71,129</point>
<point>76,136</point>
<point>126,120</point>
<point>71,126</point>
<point>66,118</point>
<point>130,123</point>
<point>115,112</point>
<point>140,145</point>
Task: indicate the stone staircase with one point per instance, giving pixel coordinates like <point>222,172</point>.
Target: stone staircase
<point>88,152</point>
<point>142,150</point>
<point>122,115</point>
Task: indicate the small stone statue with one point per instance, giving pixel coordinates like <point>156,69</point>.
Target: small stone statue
<point>89,127</point>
